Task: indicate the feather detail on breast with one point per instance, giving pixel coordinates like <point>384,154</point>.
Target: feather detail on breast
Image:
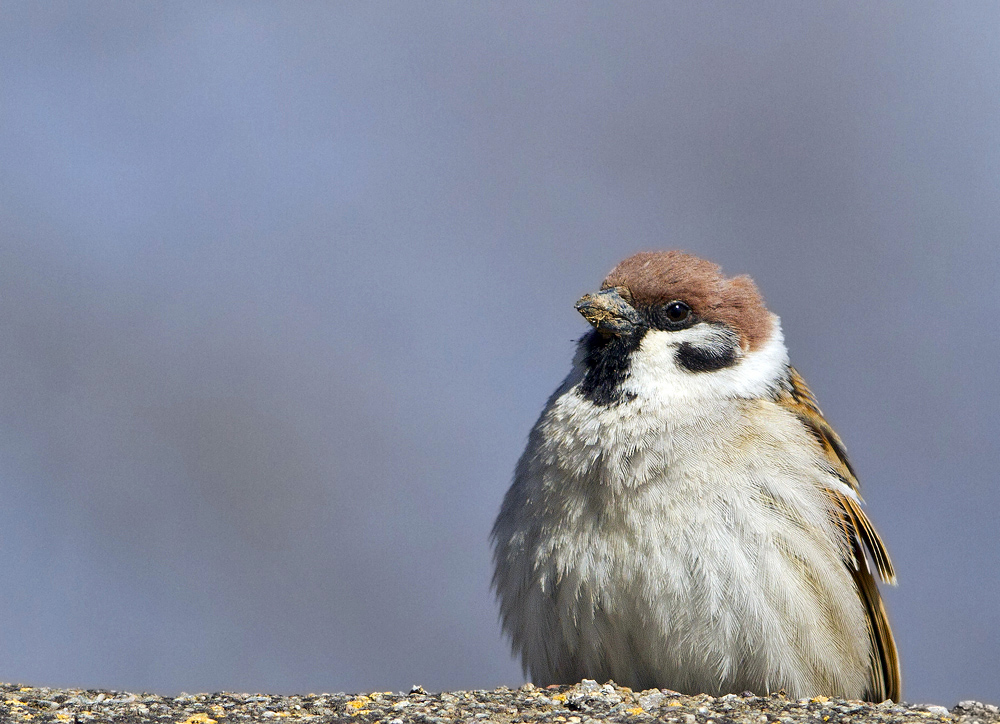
<point>860,534</point>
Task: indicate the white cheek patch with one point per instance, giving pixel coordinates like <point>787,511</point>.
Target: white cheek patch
<point>655,373</point>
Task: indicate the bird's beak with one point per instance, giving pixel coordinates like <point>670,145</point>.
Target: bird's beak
<point>608,312</point>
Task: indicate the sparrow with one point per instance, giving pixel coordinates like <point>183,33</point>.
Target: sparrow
<point>683,516</point>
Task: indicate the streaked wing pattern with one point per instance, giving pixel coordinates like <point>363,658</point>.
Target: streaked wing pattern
<point>886,679</point>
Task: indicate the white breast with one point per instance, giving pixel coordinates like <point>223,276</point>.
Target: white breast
<point>678,540</point>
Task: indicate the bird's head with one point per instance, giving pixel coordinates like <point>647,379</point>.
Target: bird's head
<point>672,317</point>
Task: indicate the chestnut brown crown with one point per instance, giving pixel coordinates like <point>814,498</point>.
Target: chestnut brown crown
<point>657,277</point>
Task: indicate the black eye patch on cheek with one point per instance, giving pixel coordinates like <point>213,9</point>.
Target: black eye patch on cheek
<point>706,359</point>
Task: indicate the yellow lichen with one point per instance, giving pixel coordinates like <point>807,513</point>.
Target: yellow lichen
<point>357,705</point>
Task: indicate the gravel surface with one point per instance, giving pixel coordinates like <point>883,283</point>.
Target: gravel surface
<point>584,703</point>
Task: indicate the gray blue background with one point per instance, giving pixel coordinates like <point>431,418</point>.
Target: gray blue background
<point>284,286</point>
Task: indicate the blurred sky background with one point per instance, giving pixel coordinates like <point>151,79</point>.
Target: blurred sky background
<point>283,287</point>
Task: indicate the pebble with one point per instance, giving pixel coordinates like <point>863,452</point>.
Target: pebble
<point>651,701</point>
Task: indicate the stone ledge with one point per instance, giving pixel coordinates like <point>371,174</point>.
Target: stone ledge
<point>585,703</point>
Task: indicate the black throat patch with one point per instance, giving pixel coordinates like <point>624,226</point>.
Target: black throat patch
<point>608,360</point>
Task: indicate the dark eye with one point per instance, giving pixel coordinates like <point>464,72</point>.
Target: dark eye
<point>676,312</point>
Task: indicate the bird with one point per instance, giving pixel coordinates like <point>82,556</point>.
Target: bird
<point>683,516</point>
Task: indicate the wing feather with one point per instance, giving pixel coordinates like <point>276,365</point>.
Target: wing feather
<point>859,532</point>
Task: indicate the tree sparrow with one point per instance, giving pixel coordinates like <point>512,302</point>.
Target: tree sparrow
<point>683,517</point>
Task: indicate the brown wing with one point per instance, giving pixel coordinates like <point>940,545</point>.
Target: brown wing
<point>858,530</point>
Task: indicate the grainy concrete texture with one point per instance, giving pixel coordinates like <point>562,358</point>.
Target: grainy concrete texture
<point>586,702</point>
